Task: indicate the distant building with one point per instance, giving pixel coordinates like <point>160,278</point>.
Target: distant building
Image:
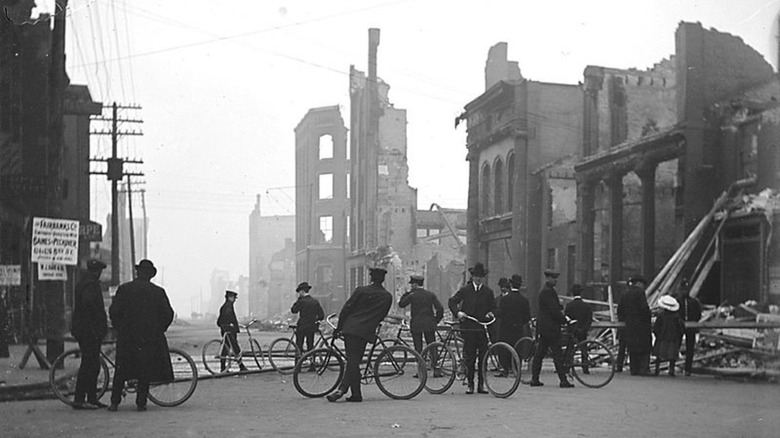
<point>267,235</point>
<point>282,281</point>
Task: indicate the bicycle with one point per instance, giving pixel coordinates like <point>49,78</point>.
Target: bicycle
<point>64,371</point>
<point>454,341</point>
<point>398,371</point>
<point>594,367</point>
<point>218,354</point>
<point>284,352</point>
<point>500,382</point>
<point>441,362</point>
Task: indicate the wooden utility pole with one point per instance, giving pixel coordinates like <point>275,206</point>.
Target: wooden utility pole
<point>116,173</point>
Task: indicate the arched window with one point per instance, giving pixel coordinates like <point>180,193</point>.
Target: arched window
<point>510,181</point>
<point>486,183</point>
<point>498,193</point>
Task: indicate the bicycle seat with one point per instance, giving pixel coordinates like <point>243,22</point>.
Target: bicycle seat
<point>450,323</point>
<point>394,319</point>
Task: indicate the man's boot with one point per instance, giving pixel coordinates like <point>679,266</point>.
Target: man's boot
<point>470,389</point>
<point>481,388</point>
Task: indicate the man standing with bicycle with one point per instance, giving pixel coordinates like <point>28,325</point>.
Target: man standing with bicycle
<point>358,320</point>
<point>228,325</point>
<point>140,313</point>
<point>476,300</point>
<point>427,311</point>
<point>548,331</point>
<point>89,327</point>
<point>513,312</point>
<point>311,314</point>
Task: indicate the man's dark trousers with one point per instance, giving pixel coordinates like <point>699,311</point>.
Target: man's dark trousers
<point>86,383</point>
<point>474,348</point>
<point>355,347</point>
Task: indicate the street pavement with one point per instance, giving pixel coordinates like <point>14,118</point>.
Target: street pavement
<point>266,404</point>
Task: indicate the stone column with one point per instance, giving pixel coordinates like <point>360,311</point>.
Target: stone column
<point>472,211</point>
<point>647,224</point>
<point>586,218</point>
<point>615,184</point>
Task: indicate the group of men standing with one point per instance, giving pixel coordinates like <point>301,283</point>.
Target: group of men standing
<point>140,313</point>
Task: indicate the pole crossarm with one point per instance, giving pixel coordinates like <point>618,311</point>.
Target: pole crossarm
<point>119,133</point>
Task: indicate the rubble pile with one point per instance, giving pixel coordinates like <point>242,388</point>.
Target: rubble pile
<point>740,352</point>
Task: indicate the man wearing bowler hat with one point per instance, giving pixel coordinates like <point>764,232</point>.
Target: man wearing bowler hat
<point>513,313</point>
<point>548,331</point>
<point>89,327</point>
<point>140,313</point>
<point>311,314</point>
<point>474,299</point>
<point>427,311</point>
<point>637,334</point>
<point>358,320</point>
<point>228,325</point>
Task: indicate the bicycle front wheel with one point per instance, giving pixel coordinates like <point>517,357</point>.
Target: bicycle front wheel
<point>501,370</point>
<point>214,359</point>
<point>593,364</point>
<point>181,388</point>
<point>525,348</point>
<point>318,372</point>
<point>282,355</point>
<point>400,372</point>
<point>441,367</point>
<point>257,353</point>
<point>64,373</point>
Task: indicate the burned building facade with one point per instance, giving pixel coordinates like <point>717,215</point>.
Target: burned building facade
<point>322,173</point>
<point>517,129</point>
<point>692,127</point>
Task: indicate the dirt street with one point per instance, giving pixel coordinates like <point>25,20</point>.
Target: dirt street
<point>266,405</point>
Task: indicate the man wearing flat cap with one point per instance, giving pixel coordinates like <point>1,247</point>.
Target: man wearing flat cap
<point>476,300</point>
<point>548,331</point>
<point>228,325</point>
<point>89,326</point>
<point>310,314</point>
<point>358,321</point>
<point>637,334</point>
<point>140,313</point>
<point>427,311</point>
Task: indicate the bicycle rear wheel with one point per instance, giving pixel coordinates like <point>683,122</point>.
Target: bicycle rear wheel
<point>400,372</point>
<point>441,367</point>
<point>318,372</point>
<point>525,348</point>
<point>257,353</point>
<point>64,373</point>
<point>593,364</point>
<point>282,355</point>
<point>181,388</point>
<point>501,370</point>
<point>213,358</point>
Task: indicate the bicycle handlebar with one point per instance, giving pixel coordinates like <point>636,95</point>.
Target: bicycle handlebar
<point>485,324</point>
<point>328,320</point>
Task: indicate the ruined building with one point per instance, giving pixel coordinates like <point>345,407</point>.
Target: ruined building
<point>522,135</point>
<point>354,206</point>
<point>605,179</point>
<point>679,134</point>
<point>322,204</point>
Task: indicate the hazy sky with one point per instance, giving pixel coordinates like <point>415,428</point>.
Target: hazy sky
<point>223,85</point>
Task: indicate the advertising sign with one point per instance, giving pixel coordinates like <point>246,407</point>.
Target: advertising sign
<point>55,241</point>
<point>52,272</point>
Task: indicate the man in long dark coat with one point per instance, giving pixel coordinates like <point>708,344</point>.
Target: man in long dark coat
<point>474,299</point>
<point>140,313</point>
<point>637,335</point>
<point>513,313</point>
<point>548,331</point>
<point>358,320</point>
<point>89,326</point>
